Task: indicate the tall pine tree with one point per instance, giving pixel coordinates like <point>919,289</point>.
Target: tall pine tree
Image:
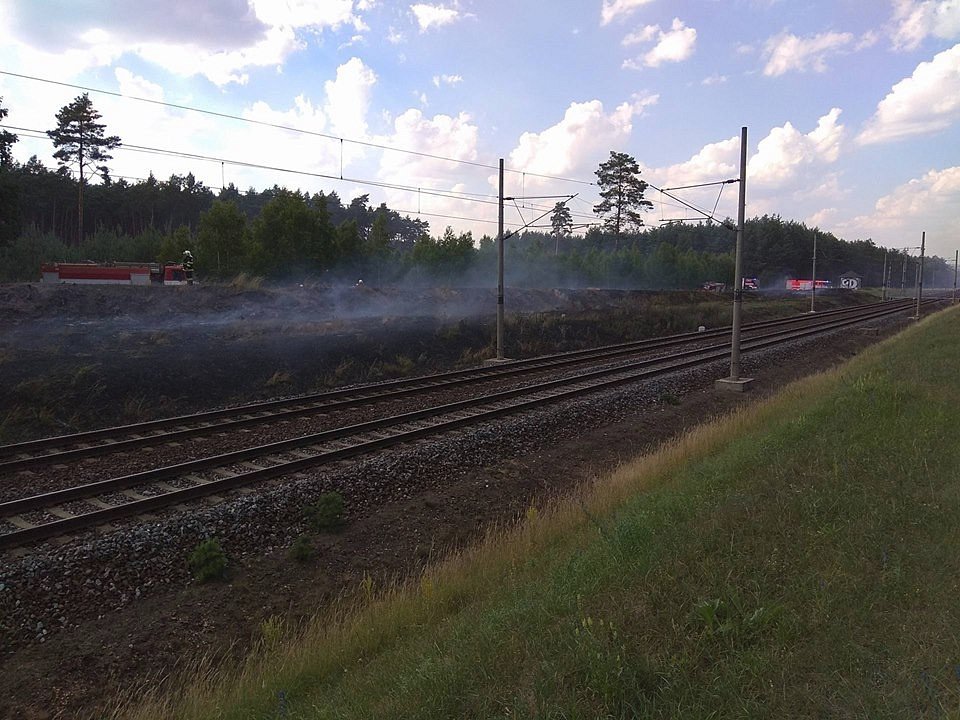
<point>622,191</point>
<point>562,223</point>
<point>80,142</point>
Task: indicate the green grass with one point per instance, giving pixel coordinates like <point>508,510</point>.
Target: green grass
<point>800,559</point>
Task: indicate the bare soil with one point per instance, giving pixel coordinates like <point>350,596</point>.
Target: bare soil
<point>79,670</point>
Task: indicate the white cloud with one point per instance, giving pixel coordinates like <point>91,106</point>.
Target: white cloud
<point>821,218</point>
<point>315,14</point>
<point>613,9</point>
<point>573,145</point>
<point>788,168</point>
<point>137,86</point>
<point>429,16</point>
<point>276,148</point>
<point>925,102</point>
<point>914,20</point>
<point>439,136</point>
<point>783,155</point>
<point>222,68</point>
<point>868,39</point>
<point>341,110</point>
<point>439,80</point>
<point>714,80</point>
<point>714,162</point>
<point>647,34</point>
<point>825,186</point>
<point>348,98</point>
<point>928,203</point>
<point>674,45</point>
<point>786,52</point>
<point>220,39</point>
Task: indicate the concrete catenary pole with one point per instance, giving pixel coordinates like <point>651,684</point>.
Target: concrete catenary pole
<point>813,286</point>
<point>883,287</point>
<point>956,266</point>
<point>735,382</point>
<point>500,270</point>
<point>738,265</point>
<point>923,243</point>
<point>903,274</point>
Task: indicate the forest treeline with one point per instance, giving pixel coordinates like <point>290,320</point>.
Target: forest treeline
<point>283,234</point>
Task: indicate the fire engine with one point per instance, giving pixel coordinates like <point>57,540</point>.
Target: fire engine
<point>801,285</point>
<point>116,273</point>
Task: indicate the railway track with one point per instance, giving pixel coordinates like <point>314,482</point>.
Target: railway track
<point>97,503</point>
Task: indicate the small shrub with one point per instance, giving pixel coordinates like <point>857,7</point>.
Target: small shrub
<point>207,561</point>
<point>669,399</point>
<point>325,514</point>
<point>302,549</point>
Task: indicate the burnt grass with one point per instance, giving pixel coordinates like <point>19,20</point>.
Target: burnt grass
<point>73,358</point>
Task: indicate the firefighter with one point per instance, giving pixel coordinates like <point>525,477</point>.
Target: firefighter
<point>188,266</point>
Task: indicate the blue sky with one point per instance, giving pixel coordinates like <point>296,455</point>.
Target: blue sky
<point>852,106</point>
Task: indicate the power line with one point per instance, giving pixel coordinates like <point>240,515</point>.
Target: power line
<point>708,215</point>
<point>448,194</point>
<point>341,140</point>
<point>39,134</point>
<point>288,128</point>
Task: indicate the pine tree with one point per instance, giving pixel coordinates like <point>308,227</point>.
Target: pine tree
<point>80,142</point>
<point>562,224</point>
<point>622,191</point>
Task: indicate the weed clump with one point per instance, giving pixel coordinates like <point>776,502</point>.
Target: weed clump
<point>208,561</point>
<point>280,377</point>
<point>246,282</point>
<point>302,549</point>
<point>326,513</point>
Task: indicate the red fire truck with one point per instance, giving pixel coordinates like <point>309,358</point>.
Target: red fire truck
<point>117,273</point>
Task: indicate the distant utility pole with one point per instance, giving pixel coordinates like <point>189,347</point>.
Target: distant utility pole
<point>956,265</point>
<point>735,382</point>
<point>923,242</point>
<point>813,287</point>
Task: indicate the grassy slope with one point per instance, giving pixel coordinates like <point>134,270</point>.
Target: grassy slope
<point>801,559</point>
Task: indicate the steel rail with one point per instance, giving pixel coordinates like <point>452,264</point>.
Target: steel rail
<point>624,374</point>
<point>289,408</point>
